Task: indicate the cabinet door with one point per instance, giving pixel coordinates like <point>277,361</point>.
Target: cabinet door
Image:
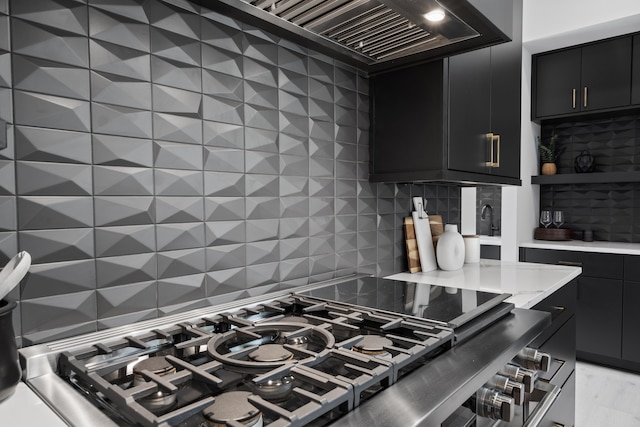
<point>407,120</point>
<point>557,83</point>
<point>599,316</point>
<point>631,322</point>
<point>506,104</point>
<point>469,112</point>
<point>606,75</point>
<point>635,78</point>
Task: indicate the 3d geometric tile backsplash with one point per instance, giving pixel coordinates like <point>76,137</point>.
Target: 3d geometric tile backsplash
<point>162,158</point>
<point>610,210</point>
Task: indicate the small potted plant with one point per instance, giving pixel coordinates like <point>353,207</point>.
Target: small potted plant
<point>549,153</point>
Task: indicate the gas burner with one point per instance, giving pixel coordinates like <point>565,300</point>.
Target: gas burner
<point>160,366</point>
<point>233,406</point>
<point>373,345</point>
<point>266,346</point>
<point>275,390</point>
<point>271,353</point>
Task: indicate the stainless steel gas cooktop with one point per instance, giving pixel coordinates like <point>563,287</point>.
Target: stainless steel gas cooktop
<point>297,359</point>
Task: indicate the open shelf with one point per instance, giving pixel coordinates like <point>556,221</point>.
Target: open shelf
<point>586,178</point>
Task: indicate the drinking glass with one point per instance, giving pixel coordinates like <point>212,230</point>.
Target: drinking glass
<point>545,218</point>
<point>558,218</point>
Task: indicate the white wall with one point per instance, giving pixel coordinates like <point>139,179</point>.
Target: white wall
<point>553,24</point>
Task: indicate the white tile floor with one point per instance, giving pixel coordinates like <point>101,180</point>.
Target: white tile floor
<point>606,397</point>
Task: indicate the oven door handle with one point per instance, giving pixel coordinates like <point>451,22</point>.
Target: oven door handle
<point>551,394</point>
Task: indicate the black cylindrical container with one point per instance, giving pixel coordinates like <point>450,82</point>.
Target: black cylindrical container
<point>10,373</point>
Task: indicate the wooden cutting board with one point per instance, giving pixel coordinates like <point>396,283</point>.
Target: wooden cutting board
<point>413,258</point>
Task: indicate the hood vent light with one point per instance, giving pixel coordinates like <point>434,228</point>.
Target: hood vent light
<point>367,27</point>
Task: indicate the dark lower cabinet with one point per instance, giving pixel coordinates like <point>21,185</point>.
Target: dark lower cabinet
<point>599,316</point>
<point>631,322</point>
<point>608,304</point>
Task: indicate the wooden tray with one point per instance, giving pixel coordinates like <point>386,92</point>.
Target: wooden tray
<point>552,234</point>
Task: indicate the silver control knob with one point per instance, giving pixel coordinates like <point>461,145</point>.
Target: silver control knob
<point>522,375</point>
<point>534,359</point>
<point>507,386</point>
<point>494,405</point>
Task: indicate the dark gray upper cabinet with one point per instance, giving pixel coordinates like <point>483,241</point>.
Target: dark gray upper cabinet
<point>635,77</point>
<point>455,120</point>
<point>593,77</point>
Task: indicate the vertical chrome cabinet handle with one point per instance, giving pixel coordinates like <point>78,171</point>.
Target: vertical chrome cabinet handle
<point>573,95</point>
<point>497,163</point>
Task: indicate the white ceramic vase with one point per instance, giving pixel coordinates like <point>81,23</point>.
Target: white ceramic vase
<point>450,249</point>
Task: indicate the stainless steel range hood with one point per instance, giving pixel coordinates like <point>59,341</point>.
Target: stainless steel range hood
<point>377,34</point>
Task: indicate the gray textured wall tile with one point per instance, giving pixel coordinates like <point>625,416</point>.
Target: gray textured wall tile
<point>122,181</point>
<point>175,19</point>
<point>121,270</point>
<point>223,159</point>
<point>177,155</point>
<point>127,210</point>
<point>180,236</point>
<point>126,299</point>
<point>48,111</point>
<point>226,257</point>
<point>118,30</point>
<point>225,232</point>
<point>33,40</point>
<point>111,150</point>
<point>51,78</point>
<point>41,212</point>
<point>221,282</point>
<point>124,240</point>
<point>227,36</point>
<point>8,213</point>
<point>59,311</point>
<point>175,74</point>
<point>223,135</point>
<point>224,184</point>
<point>58,245</point>
<point>122,91</point>
<point>292,207</point>
<point>7,178</point>
<point>170,182</point>
<point>224,208</point>
<point>181,289</point>
<point>179,209</point>
<point>63,15</point>
<point>262,185</point>
<point>8,246</point>
<point>175,47</point>
<point>5,68</point>
<point>49,145</point>
<point>119,60</point>
<point>223,110</point>
<point>222,85</point>
<point>58,278</point>
<point>53,179</point>
<point>262,140</point>
<point>180,263</point>
<point>262,274</point>
<point>123,121</point>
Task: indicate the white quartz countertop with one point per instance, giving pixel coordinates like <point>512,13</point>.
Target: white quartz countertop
<point>578,245</point>
<point>25,409</point>
<point>527,282</point>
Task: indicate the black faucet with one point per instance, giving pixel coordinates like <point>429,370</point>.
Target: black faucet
<point>492,227</point>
